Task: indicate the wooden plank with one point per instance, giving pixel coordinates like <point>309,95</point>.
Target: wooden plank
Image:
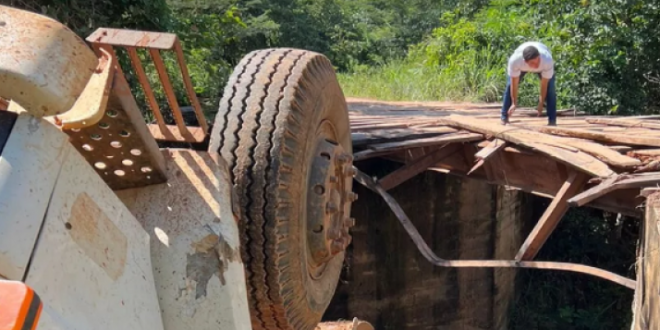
<point>646,310</point>
<point>646,152</point>
<point>551,216</point>
<point>605,154</point>
<point>426,142</point>
<point>416,166</point>
<point>491,148</point>
<point>617,138</point>
<point>624,122</point>
<point>534,140</point>
<point>615,183</point>
<point>361,138</point>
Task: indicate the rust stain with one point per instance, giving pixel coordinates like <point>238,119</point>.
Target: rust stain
<point>98,236</point>
<point>144,41</point>
<point>212,257</point>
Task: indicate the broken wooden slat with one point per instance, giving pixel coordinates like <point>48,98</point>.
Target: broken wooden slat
<point>615,183</point>
<point>605,154</point>
<point>361,138</point>
<point>535,141</point>
<point>367,154</point>
<point>600,136</point>
<point>551,216</point>
<point>491,148</point>
<point>416,166</point>
<point>427,142</point>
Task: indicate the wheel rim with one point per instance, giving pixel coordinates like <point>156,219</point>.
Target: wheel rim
<point>328,201</point>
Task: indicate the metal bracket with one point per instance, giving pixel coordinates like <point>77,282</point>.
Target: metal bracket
<point>90,106</point>
<point>156,42</point>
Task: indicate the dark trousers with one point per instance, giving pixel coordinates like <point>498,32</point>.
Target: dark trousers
<point>550,99</point>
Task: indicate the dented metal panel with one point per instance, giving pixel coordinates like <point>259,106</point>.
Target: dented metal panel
<point>29,166</point>
<point>44,66</point>
<point>92,265</point>
<point>194,243</point>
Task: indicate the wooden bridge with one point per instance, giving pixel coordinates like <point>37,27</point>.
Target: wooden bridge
<point>610,163</point>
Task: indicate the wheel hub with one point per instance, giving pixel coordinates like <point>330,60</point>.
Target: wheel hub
<point>329,201</point>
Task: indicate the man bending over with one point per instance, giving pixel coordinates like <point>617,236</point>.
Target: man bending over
<point>536,58</point>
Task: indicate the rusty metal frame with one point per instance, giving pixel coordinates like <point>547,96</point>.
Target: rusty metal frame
<point>426,251</point>
<point>156,42</point>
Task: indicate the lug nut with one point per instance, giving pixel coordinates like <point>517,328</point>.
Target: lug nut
<point>347,241</point>
<point>351,196</point>
<point>349,222</point>
<point>330,208</point>
<point>322,254</point>
<point>344,158</point>
<point>334,234</point>
<point>336,247</point>
<point>351,171</point>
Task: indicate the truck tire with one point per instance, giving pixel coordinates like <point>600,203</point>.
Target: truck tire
<point>283,128</point>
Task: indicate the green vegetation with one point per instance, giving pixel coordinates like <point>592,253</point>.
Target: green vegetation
<point>608,61</point>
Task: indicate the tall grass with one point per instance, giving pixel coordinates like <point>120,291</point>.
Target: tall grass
<point>472,80</point>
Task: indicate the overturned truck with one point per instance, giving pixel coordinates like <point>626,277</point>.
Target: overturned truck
<point>101,227</point>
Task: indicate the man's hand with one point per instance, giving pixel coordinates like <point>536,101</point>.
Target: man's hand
<point>512,109</point>
<point>539,109</point>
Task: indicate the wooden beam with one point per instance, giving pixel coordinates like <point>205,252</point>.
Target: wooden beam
<point>552,216</point>
<point>427,142</point>
<point>535,174</point>
<point>600,136</point>
<point>646,310</point>
<point>361,138</point>
<point>416,166</point>
<point>542,143</point>
<point>615,183</point>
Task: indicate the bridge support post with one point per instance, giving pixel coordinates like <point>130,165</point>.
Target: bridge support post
<point>552,215</point>
<point>646,310</point>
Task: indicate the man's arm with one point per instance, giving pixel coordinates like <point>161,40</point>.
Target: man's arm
<point>514,91</point>
<point>544,91</point>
